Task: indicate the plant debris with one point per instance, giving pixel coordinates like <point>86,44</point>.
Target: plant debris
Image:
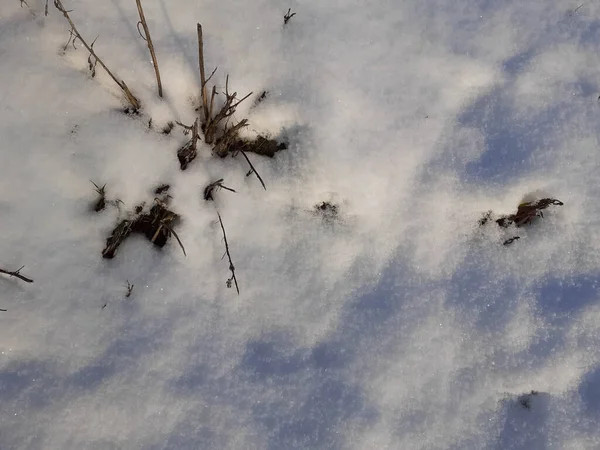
<point>215,185</point>
<point>260,146</point>
<point>327,210</point>
<point>259,99</point>
<point>101,202</point>
<point>162,189</point>
<point>525,399</point>
<point>168,128</point>
<point>130,111</point>
<point>526,213</point>
<point>156,225</point>
<point>188,152</point>
<point>129,288</point>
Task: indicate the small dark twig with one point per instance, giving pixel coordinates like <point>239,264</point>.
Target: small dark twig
<point>231,267</point>
<point>572,13</point>
<point>511,240</point>
<point>4,310</point>
<point>101,191</point>
<point>17,274</point>
<point>253,170</point>
<point>129,289</point>
<point>172,231</point>
<point>211,75</point>
<point>208,191</point>
<point>92,64</point>
<point>288,16</point>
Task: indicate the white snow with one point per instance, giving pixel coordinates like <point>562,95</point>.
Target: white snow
<point>399,325</point>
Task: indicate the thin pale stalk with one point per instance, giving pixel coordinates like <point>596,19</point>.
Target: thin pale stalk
<point>150,47</point>
<point>202,73</point>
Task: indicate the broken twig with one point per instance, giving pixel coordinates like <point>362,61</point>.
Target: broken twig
<point>130,97</point>
<point>17,274</point>
<point>511,240</point>
<point>129,289</point>
<point>188,152</point>
<point>253,170</point>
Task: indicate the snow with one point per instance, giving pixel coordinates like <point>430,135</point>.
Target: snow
<point>400,324</point>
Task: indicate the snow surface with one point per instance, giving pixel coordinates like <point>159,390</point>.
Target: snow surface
<point>402,325</point>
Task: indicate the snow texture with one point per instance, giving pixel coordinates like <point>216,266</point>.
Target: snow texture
<point>398,324</point>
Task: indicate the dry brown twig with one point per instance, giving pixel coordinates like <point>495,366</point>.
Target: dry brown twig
<point>231,267</point>
<point>17,274</point>
<point>130,97</point>
<point>148,40</point>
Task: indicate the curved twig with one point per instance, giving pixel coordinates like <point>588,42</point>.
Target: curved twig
<point>138,28</point>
